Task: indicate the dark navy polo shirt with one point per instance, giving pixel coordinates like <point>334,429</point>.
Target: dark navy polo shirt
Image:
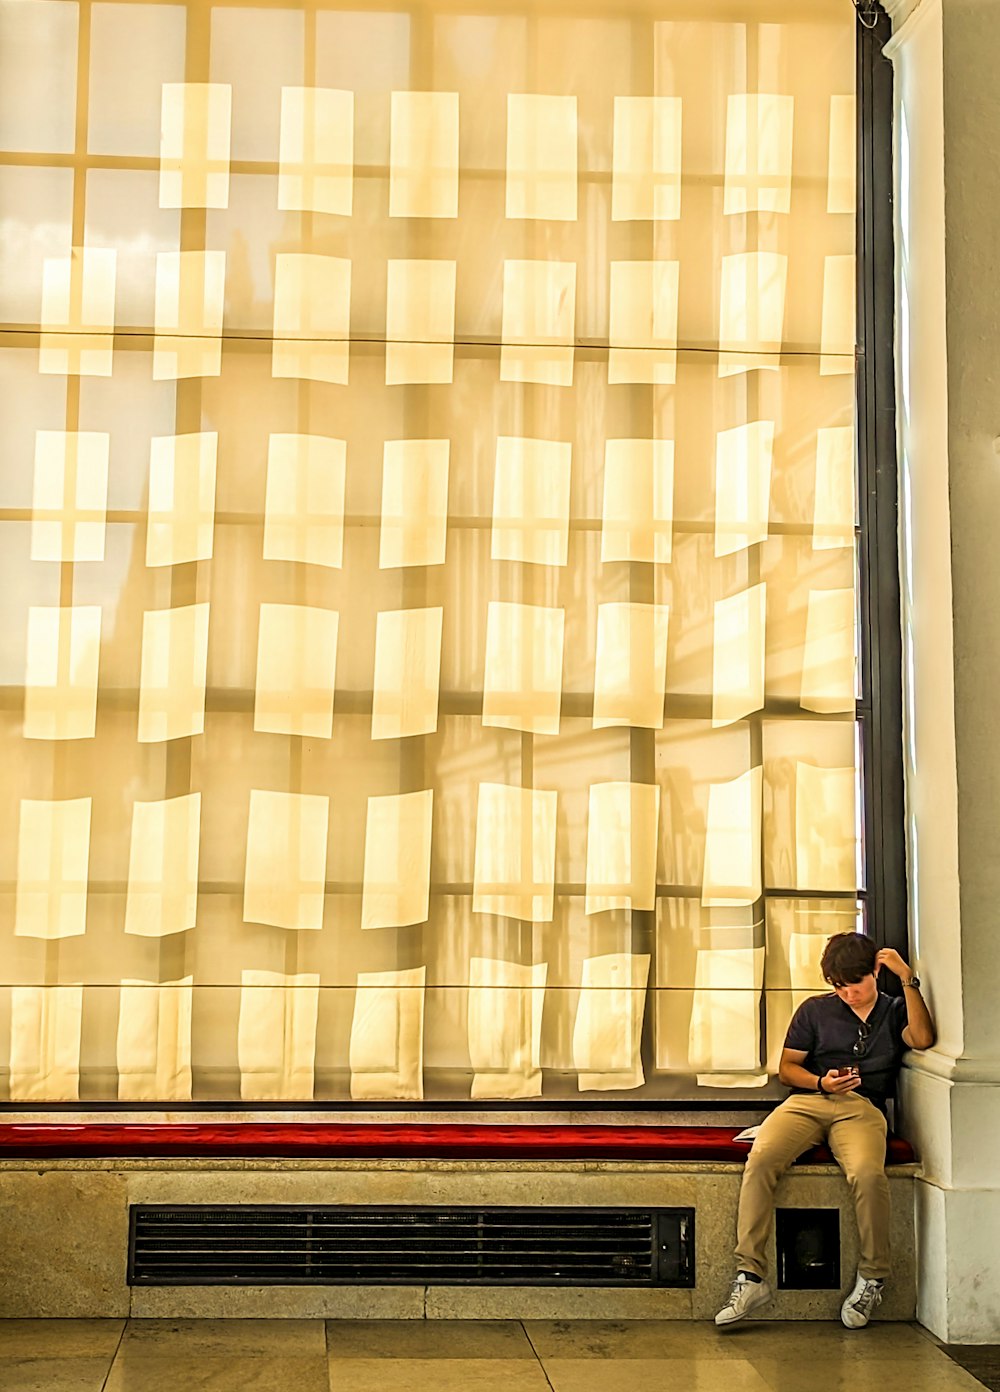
<point>826,1030</point>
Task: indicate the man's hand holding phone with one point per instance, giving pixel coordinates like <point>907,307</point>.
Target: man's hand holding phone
<point>840,1080</point>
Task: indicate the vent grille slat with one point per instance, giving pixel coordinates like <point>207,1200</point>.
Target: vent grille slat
<point>282,1245</point>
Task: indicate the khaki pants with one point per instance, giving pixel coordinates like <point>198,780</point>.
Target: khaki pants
<point>855,1131</point>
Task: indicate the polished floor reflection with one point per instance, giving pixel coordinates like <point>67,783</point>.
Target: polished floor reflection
<point>442,1355</point>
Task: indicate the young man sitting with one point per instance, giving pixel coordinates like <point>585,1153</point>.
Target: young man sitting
<point>841,1057</point>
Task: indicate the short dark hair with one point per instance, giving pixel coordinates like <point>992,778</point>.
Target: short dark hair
<point>848,958</point>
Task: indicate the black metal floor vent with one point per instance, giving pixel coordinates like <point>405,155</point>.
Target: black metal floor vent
<point>279,1245</point>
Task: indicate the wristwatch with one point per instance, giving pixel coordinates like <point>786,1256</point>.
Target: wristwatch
<point>914,981</point>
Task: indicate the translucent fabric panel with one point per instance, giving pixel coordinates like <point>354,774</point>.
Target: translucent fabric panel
<point>758,153</point>
<point>522,683</point>
<point>277,1035</point>
<point>419,322</point>
<point>541,157</point>
<point>407,675</point>
<point>162,892</point>
<point>190,290</point>
<point>53,856</point>
<point>835,508</point>
<point>414,503</point>
<point>732,872</point>
<point>181,498</point>
<point>423,175</point>
<point>646,182</point>
<point>515,852</point>
<point>45,1043</point>
<point>78,313</point>
<point>387,1036</point>
<point>643,321</point>
<point>531,494</point>
<point>296,670</point>
<point>61,669</point>
<point>195,128</point>
<point>397,860</point>
<point>505,1027</point>
<point>286,859</point>
<point>738,655</point>
<point>621,846</point>
<point>312,308</point>
<point>608,1024</point>
<point>630,671</point>
<point>173,673</point>
<point>637,518</point>
<point>70,495</point>
<point>316,154</point>
<point>539,317</point>
<point>153,1049</point>
<point>304,504</point>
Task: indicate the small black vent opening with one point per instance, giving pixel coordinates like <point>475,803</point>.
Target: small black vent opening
<point>269,1245</point>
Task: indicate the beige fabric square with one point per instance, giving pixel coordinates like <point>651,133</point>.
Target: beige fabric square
<point>276,1037</point>
<point>163,867</point>
<point>826,828</point>
<point>522,686</point>
<point>505,1027</point>
<point>153,1047</point>
<point>837,337</point>
<point>172,677</point>
<point>541,157</point>
<point>743,458</point>
<point>621,846</point>
<point>630,672</point>
<point>312,317</point>
<point>69,495</point>
<point>538,322</point>
<point>638,511</point>
<point>296,670</point>
<point>45,1030</point>
<point>181,498</point>
<point>53,855</point>
<point>189,299</point>
<point>414,503</point>
<point>732,871</point>
<point>397,860</point>
<point>304,507</point>
<point>515,852</point>
<point>423,161</point>
<point>420,322</point>
<point>829,656</point>
<point>407,672</point>
<point>78,313</point>
<point>842,172</point>
<point>286,859</point>
<point>316,150</point>
<point>643,323</point>
<point>835,506</point>
<point>646,170</point>
<point>751,311</point>
<point>531,501</point>
<point>758,153</point>
<point>607,1032</point>
<point>387,1036</point>
<point>724,1034</point>
<point>195,125</point>
<point>60,681</point>
<point>738,655</point>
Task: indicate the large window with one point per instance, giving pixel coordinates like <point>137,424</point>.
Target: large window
<point>430,546</point>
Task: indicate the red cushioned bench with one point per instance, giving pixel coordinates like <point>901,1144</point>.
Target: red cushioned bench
<point>378,1141</point>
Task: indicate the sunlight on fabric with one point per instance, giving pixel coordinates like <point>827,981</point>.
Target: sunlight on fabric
<point>621,846</point>
<point>835,507</point>
<point>286,859</point>
<point>173,671</point>
<point>304,506</point>
<point>162,892</point>
<point>387,1036</point>
<point>828,658</point>
<point>752,311</point>
<point>732,873</point>
<point>541,157</point>
<point>505,1027</point>
<point>531,490</point>
<point>420,322</point>
<point>296,670</point>
<point>646,178</point>
<point>643,330</point>
<point>78,313</point>
<point>196,119</point>
<point>738,655</point>
<point>69,495</point>
<point>423,166</point>
<point>181,498</point>
<point>841,195</point>
<point>522,683</point>
<point>608,1026</point>
<point>743,458</point>
<point>53,855</point>
<point>414,503</point>
<point>397,860</point>
<point>312,317</point>
<point>637,517</point>
<point>407,672</point>
<point>758,153</point>
<point>153,1048</point>
<point>630,671</point>
<point>190,292</point>
<point>826,839</point>
<point>838,332</point>
<point>316,151</point>
<point>515,852</point>
<point>725,1013</point>
<point>539,318</point>
<point>276,1037</point>
<point>60,679</point>
<point>45,1025</point>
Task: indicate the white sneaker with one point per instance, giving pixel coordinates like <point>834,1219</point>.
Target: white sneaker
<point>746,1295</point>
<point>861,1304</point>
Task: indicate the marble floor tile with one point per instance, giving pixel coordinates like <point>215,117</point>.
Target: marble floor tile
<point>293,1338</point>
<point>795,1340</point>
<point>821,1373</point>
<point>436,1375</point>
<point>638,1374</point>
<point>629,1339</point>
<point>166,1371</point>
<point>53,1374</point>
<point>427,1339</point>
<point>59,1338</point>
